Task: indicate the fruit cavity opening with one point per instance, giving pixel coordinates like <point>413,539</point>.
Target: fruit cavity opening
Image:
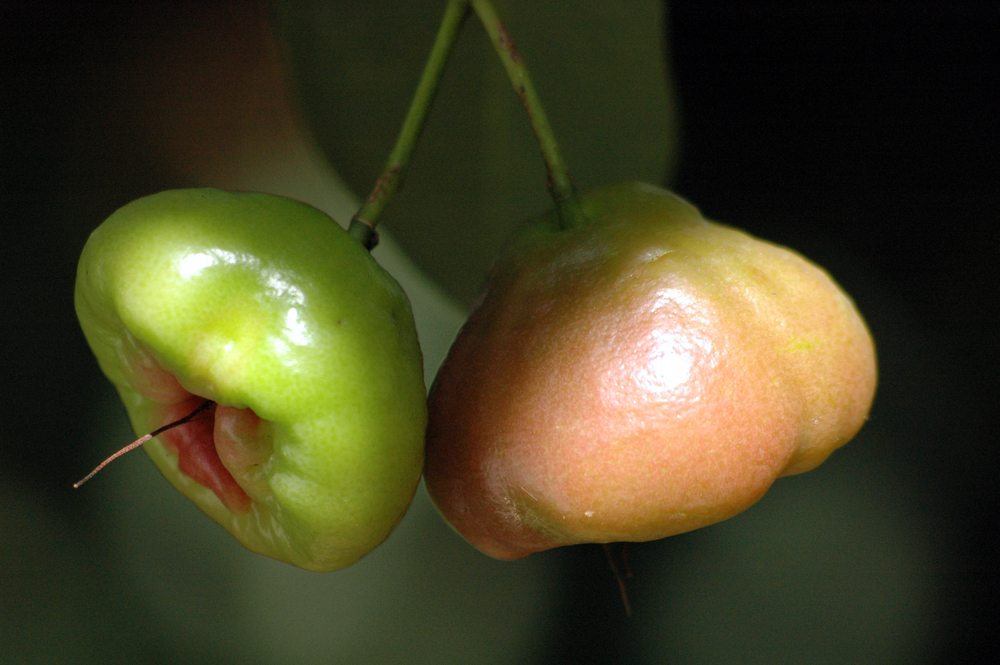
<point>218,442</point>
<point>197,446</point>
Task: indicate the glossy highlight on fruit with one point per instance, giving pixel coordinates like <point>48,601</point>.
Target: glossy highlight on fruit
<point>268,308</point>
<point>640,375</point>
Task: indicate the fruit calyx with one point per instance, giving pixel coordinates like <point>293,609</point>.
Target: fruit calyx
<point>201,445</point>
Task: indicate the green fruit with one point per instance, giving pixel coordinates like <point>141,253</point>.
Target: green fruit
<point>268,308</point>
<point>644,373</point>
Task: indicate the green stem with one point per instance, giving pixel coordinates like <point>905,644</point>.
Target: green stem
<point>560,185</point>
<point>363,223</point>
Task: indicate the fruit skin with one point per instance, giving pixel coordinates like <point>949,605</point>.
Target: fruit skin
<point>640,375</point>
<point>268,307</point>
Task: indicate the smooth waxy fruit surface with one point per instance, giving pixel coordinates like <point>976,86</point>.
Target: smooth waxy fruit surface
<point>268,308</point>
<point>642,374</point>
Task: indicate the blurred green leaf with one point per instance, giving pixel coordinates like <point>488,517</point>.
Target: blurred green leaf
<point>477,173</point>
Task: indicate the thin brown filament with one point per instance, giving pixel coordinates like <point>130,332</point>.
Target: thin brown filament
<point>622,589</point>
<point>144,438</point>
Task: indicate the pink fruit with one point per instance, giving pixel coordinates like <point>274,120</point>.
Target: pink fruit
<point>640,375</point>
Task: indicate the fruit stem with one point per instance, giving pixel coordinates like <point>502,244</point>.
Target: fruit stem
<point>143,439</point>
<point>362,226</point>
<point>559,183</point>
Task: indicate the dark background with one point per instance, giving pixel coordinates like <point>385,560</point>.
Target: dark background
<point>862,134</point>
